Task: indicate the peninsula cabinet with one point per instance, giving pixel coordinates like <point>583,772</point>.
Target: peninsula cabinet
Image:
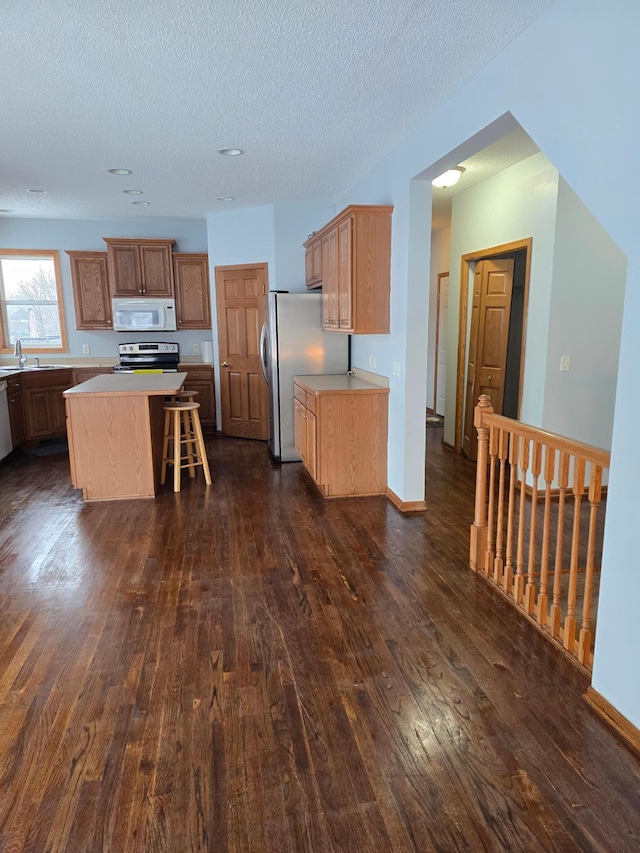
<point>193,295</point>
<point>341,433</point>
<point>355,270</point>
<point>91,290</point>
<point>139,267</point>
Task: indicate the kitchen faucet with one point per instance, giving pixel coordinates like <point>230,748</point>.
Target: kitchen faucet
<point>22,359</point>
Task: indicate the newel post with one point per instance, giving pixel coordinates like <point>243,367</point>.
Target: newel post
<point>478,537</point>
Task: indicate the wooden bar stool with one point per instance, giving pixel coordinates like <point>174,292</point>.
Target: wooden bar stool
<point>182,428</point>
<point>186,396</point>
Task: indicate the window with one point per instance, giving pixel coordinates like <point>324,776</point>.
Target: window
<point>31,301</point>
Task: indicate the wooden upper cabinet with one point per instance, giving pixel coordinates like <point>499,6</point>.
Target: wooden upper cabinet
<point>193,295</point>
<point>355,270</point>
<point>140,267</point>
<point>91,290</point>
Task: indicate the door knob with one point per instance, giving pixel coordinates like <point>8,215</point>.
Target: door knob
<point>224,364</point>
<point>489,378</point>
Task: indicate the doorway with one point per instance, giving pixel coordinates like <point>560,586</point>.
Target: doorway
<point>240,292</point>
<point>491,343</point>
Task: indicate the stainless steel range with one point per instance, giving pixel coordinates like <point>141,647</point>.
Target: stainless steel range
<point>148,358</point>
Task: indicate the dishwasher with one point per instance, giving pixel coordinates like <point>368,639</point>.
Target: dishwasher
<point>6,444</point>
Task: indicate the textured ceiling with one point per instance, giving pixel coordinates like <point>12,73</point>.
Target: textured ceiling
<point>315,92</point>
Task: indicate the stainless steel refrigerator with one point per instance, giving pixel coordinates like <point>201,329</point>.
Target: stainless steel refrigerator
<point>292,343</point>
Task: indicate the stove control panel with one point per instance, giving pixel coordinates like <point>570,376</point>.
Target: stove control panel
<point>148,348</point>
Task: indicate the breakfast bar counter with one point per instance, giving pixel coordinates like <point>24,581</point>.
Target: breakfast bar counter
<point>115,425</point>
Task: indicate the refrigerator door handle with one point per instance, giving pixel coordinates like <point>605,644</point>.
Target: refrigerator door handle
<point>264,352</point>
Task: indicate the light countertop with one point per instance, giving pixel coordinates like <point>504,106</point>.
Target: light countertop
<point>338,383</point>
<point>119,384</point>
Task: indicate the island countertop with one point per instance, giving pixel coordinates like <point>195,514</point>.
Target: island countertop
<point>122,384</point>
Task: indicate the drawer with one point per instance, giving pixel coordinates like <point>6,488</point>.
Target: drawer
<point>310,403</point>
<point>300,394</point>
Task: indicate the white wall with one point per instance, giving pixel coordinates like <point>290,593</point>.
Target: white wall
<point>86,235</point>
<point>440,251</point>
<point>571,80</point>
<point>589,276</point>
<point>518,203</point>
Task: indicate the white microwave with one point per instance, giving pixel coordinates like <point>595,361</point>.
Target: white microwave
<point>144,315</point>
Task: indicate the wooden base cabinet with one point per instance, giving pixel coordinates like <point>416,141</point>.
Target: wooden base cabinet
<point>200,379</point>
<point>43,403</point>
<point>341,433</point>
<point>16,411</point>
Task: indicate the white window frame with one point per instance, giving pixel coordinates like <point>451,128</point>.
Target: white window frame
<point>32,254</point>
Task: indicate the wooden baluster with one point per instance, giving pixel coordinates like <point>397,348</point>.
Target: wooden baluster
<point>494,435</point>
<point>556,607</point>
<point>530,590</point>
<point>569,638</point>
<point>518,581</point>
<point>478,532</point>
<point>595,496</point>
<point>503,450</point>
<point>507,579</point>
<point>549,474</point>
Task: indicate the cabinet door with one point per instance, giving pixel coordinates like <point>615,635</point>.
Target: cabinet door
<point>57,409</point>
<point>38,410</point>
<point>310,443</point>
<point>308,266</point>
<point>157,272</point>
<point>300,430</point>
<point>16,413</point>
<point>193,295</point>
<point>345,274</point>
<point>91,290</point>
<point>124,270</point>
<point>330,318</point>
<point>317,261</point>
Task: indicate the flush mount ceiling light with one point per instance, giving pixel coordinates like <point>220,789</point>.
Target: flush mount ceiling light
<point>38,192</point>
<point>230,152</point>
<point>448,179</point>
<point>140,202</point>
<point>120,171</point>
<point>225,198</point>
<point>132,192</point>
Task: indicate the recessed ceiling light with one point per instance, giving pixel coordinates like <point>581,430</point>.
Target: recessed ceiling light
<point>140,202</point>
<point>225,198</point>
<point>132,192</point>
<point>119,171</point>
<point>38,192</point>
<point>230,152</point>
<point>448,179</point>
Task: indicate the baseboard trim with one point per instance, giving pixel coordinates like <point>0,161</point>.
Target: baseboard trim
<point>448,446</point>
<point>604,709</point>
<point>405,506</point>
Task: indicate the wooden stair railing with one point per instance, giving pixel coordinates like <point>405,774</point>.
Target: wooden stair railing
<point>545,561</point>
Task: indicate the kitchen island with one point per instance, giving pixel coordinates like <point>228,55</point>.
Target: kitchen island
<point>115,425</point>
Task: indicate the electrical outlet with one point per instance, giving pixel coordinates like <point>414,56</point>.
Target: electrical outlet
<point>86,349</point>
<point>396,368</point>
<point>372,361</point>
<point>565,363</point>
<point>196,348</point>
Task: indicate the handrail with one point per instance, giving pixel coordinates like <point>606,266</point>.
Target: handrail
<point>543,565</point>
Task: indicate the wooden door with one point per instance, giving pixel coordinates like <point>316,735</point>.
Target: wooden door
<point>124,270</point>
<point>491,310</point>
<point>243,391</point>
<point>440,371</point>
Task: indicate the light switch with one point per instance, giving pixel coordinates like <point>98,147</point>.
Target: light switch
<point>372,361</point>
<point>396,368</point>
<point>565,363</point>
<point>86,349</point>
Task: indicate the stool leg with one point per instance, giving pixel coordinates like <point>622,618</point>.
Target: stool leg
<point>201,448</point>
<point>187,426</point>
<point>165,447</point>
<point>176,451</point>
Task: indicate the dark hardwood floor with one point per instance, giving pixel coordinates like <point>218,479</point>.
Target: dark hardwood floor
<point>252,668</point>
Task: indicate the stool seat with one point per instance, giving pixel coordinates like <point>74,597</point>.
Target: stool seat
<point>182,429</point>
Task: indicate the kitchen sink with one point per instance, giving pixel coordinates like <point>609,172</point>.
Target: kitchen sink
<point>47,367</point>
